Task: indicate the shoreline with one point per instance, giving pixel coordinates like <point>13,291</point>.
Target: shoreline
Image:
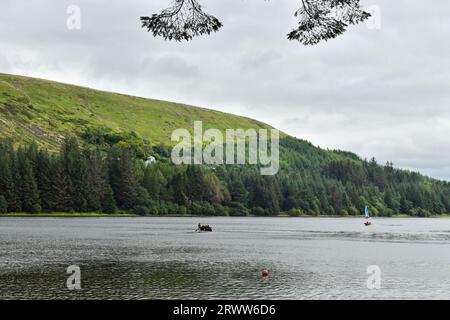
<point>67,215</point>
<point>126,215</point>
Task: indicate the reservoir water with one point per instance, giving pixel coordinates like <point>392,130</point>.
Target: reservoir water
<point>164,258</point>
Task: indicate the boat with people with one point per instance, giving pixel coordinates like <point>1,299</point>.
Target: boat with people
<point>204,228</point>
<point>367,217</point>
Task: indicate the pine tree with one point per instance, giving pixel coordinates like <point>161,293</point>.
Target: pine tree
<point>75,168</point>
<point>16,204</point>
<point>179,187</point>
<point>238,191</point>
<point>44,178</point>
<point>108,201</point>
<point>405,205</point>
<point>7,184</point>
<point>154,182</point>
<point>216,192</point>
<point>28,187</point>
<point>196,182</point>
<point>122,177</point>
<point>389,199</point>
<point>265,193</point>
<point>3,204</point>
<point>96,180</point>
<point>61,200</point>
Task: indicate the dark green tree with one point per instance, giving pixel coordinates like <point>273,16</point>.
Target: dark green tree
<point>61,199</point>
<point>122,177</point>
<point>7,188</point>
<point>108,201</point>
<point>44,178</point>
<point>75,168</point>
<point>3,204</point>
<point>28,187</point>
<point>96,181</point>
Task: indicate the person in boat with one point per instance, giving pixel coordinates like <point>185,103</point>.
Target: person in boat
<point>204,227</point>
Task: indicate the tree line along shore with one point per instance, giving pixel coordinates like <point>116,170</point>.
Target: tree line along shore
<point>113,179</point>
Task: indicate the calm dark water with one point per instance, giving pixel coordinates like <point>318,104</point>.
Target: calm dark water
<point>163,258</point>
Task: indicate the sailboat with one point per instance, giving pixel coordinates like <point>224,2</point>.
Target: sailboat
<point>367,216</point>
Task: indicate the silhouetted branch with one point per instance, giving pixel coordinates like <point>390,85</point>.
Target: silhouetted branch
<point>325,19</point>
<point>182,21</point>
<point>319,20</point>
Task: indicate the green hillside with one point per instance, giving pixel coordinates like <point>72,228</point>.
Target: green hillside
<point>120,131</point>
<point>45,111</point>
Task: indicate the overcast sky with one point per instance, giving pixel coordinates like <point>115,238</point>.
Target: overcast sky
<point>382,92</point>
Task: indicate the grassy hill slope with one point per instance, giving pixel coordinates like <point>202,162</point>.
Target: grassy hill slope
<point>44,111</point>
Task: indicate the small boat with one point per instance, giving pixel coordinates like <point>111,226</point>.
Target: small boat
<point>367,217</point>
<point>204,228</point>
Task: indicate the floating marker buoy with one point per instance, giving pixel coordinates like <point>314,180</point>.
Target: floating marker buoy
<point>265,273</point>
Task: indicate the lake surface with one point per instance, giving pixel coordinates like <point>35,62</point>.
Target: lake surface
<point>163,258</point>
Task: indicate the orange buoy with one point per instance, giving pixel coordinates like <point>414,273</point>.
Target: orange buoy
<point>265,273</point>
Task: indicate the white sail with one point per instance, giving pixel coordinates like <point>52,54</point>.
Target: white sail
<point>366,212</point>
